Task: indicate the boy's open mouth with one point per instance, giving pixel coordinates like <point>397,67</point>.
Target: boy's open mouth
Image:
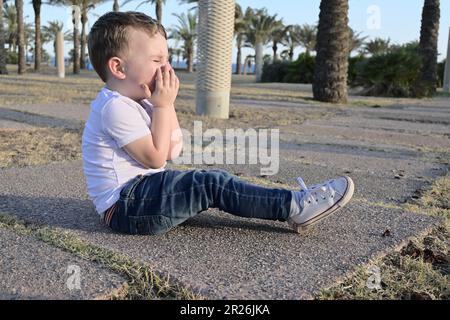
<point>152,84</point>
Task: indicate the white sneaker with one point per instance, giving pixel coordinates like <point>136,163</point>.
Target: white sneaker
<point>320,200</point>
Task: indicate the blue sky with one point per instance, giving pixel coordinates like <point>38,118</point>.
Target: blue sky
<point>398,20</point>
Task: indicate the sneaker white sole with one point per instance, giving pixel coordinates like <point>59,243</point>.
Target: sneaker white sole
<point>348,194</point>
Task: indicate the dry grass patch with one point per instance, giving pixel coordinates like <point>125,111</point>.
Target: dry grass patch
<point>19,148</point>
<point>244,117</point>
<point>83,89</point>
<point>34,89</point>
<point>420,270</point>
<point>270,94</point>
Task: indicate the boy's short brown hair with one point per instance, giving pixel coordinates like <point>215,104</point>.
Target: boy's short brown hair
<point>109,36</point>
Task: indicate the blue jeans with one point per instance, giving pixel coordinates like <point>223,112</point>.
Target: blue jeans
<point>154,204</point>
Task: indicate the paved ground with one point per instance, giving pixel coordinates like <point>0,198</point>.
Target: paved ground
<point>220,255</point>
<point>389,152</point>
<point>32,269</point>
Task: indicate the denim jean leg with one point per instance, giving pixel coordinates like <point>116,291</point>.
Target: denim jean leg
<point>154,204</point>
<point>120,221</point>
<point>188,193</point>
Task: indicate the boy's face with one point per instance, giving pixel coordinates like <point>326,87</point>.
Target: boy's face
<point>145,55</point>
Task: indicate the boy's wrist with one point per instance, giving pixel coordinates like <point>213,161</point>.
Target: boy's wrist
<point>160,106</point>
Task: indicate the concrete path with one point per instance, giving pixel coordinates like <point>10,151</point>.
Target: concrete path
<point>216,254</point>
<point>32,269</point>
<point>389,152</point>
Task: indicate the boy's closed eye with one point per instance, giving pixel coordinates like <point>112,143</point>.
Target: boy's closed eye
<point>159,59</point>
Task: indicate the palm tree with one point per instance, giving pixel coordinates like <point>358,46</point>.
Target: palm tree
<point>178,52</point>
<point>186,31</point>
<point>307,37</point>
<point>195,7</point>
<point>284,55</point>
<point>446,62</point>
<point>116,6</point>
<point>158,7</point>
<point>85,7</point>
<point>260,29</point>
<point>278,36</point>
<point>21,36</point>
<point>248,63</point>
<point>291,41</point>
<point>215,40</point>
<point>427,82</point>
<point>171,53</point>
<point>37,36</point>
<point>28,32</point>
<point>50,31</point>
<point>240,27</point>
<point>330,76</point>
<point>76,34</point>
<point>356,41</point>
<point>10,14</point>
<point>3,52</point>
<point>377,46</point>
<point>242,24</point>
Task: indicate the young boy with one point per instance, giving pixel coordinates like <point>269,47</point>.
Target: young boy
<point>133,130</point>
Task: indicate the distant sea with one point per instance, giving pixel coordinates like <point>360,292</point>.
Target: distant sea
<point>181,65</point>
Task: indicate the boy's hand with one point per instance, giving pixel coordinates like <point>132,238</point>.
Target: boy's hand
<point>166,88</point>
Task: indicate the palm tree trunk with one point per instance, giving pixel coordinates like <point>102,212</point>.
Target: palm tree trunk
<point>76,44</point>
<point>116,6</point>
<point>275,49</point>
<point>21,36</point>
<point>3,52</point>
<point>158,8</point>
<point>258,61</point>
<point>248,65</point>
<point>83,38</point>
<point>54,50</point>
<point>37,33</point>
<point>330,77</point>
<point>427,83</point>
<point>26,50</point>
<point>291,54</point>
<point>244,71</point>
<point>238,60</point>
<point>213,81</point>
<point>447,67</point>
<point>190,58</point>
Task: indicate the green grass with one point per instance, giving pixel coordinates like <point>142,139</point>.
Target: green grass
<point>442,94</point>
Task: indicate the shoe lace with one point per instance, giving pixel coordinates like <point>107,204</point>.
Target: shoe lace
<point>310,194</point>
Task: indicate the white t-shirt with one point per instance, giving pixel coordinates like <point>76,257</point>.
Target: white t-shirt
<point>114,121</point>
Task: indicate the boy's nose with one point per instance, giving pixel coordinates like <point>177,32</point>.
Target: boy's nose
<point>166,67</point>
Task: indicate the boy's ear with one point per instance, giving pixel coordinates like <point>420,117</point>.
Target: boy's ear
<point>116,67</point>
